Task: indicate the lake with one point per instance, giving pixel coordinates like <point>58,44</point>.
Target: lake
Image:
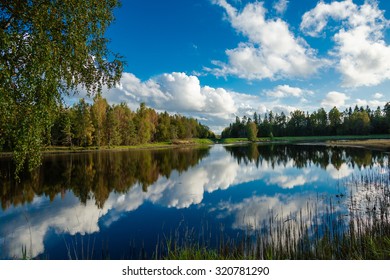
<point>128,204</point>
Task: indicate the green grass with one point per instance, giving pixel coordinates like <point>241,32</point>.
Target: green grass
<point>198,141</point>
<point>292,139</point>
<point>193,141</point>
<point>155,145</point>
<point>329,138</point>
<point>96,148</point>
<point>203,141</point>
<point>233,140</point>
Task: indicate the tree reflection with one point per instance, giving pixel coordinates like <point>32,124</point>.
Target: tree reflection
<point>93,175</point>
<point>304,156</point>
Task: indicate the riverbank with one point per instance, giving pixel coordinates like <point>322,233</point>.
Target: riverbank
<point>306,138</point>
<point>383,144</point>
<point>158,145</point>
<point>367,141</point>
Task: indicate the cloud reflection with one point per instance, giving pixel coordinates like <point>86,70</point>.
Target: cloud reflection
<point>181,189</point>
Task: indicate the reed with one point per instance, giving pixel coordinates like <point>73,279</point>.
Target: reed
<point>358,230</point>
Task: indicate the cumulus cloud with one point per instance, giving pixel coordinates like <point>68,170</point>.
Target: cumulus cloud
<point>167,91</point>
<point>334,98</point>
<point>272,50</point>
<point>179,93</point>
<point>371,103</point>
<point>314,21</point>
<point>363,62</point>
<point>281,6</point>
<point>282,91</point>
<point>378,95</point>
<point>363,55</point>
<point>184,94</point>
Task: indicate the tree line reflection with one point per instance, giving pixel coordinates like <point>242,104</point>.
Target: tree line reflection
<point>94,175</point>
<point>97,174</point>
<point>303,156</point>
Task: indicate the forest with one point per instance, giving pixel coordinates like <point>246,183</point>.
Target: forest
<point>357,121</point>
<point>100,124</point>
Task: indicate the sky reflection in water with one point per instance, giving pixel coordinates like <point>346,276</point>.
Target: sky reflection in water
<point>124,202</point>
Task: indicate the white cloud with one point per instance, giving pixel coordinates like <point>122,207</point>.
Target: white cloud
<point>288,182</point>
<point>373,104</point>
<point>272,50</point>
<point>315,20</point>
<point>184,94</point>
<point>255,212</point>
<point>378,95</point>
<point>69,216</point>
<point>281,6</point>
<point>282,91</point>
<point>341,172</point>
<point>217,99</point>
<point>363,55</point>
<point>334,98</point>
<point>363,62</point>
<point>178,93</point>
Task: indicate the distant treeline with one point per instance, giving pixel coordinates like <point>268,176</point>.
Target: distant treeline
<point>101,124</point>
<point>357,121</point>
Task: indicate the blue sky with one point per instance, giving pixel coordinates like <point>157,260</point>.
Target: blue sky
<point>215,59</point>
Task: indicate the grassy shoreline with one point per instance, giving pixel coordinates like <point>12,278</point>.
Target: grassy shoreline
<point>158,145</point>
<point>367,141</point>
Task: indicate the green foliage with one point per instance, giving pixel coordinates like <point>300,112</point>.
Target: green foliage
<point>163,129</point>
<point>334,121</point>
<point>236,130</point>
<point>101,125</point>
<point>113,138</point>
<point>143,124</point>
<point>126,128</point>
<point>360,121</point>
<point>233,140</point>
<point>83,127</point>
<point>98,115</point>
<point>48,49</point>
<point>251,131</point>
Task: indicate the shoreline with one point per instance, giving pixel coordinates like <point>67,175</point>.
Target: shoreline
<point>382,144</point>
<point>370,143</point>
<point>50,150</point>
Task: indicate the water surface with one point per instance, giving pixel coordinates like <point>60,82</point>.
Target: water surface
<point>123,204</point>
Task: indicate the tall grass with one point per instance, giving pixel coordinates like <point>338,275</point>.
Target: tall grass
<point>353,225</point>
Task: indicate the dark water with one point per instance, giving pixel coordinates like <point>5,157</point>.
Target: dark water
<point>122,205</point>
